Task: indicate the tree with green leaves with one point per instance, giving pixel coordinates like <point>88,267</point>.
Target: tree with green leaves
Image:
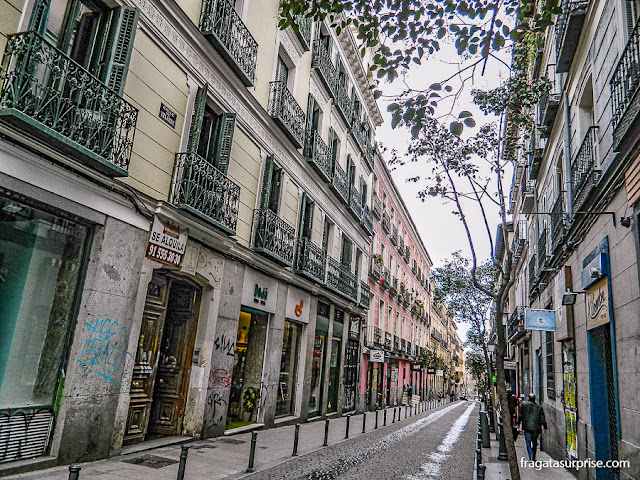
<point>476,365</point>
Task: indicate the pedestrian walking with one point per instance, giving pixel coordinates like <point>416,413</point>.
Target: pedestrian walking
<point>514,405</point>
<point>409,394</point>
<point>532,422</point>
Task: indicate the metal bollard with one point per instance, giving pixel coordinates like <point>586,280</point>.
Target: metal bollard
<point>74,471</point>
<point>502,447</point>
<point>481,472</point>
<point>479,455</point>
<point>183,461</point>
<point>376,426</point>
<point>394,416</point>
<point>405,412</point>
<point>295,441</point>
<point>384,418</point>
<point>326,433</point>
<point>252,452</point>
<point>364,422</point>
<point>346,435</point>
<point>484,430</point>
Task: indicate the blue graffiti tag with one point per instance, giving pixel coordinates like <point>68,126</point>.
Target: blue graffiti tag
<point>103,352</point>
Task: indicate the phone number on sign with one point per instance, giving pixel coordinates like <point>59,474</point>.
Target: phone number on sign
<point>164,255</point>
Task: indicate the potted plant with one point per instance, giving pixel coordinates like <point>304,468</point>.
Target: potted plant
<point>250,399</point>
<point>377,258</point>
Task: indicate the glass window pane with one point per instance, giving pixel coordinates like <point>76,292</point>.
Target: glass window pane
<point>285,403</point>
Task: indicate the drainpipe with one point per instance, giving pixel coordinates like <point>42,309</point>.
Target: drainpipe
<point>567,149</point>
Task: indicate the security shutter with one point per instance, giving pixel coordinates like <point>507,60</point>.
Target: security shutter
<point>224,141</point>
<point>196,119</point>
<point>119,47</point>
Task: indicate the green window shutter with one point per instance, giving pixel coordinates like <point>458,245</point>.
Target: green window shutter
<point>39,16</point>
<point>265,192</point>
<point>196,118</point>
<point>303,213</point>
<point>309,127</point>
<point>346,251</point>
<point>225,141</point>
<point>274,199</point>
<point>119,47</point>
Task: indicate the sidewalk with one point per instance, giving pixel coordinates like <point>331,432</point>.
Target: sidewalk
<point>228,456</point>
<point>499,469</point>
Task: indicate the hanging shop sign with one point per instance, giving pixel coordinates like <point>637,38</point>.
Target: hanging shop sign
<point>354,329</point>
<point>540,320</point>
<point>508,365</point>
<point>431,371</point>
<point>298,304</point>
<point>376,356</point>
<point>597,301</point>
<point>167,243</point>
<point>416,367</point>
<point>259,291</point>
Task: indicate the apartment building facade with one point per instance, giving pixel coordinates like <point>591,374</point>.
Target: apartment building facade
<point>186,195</point>
<point>398,319</point>
<point>574,240</point>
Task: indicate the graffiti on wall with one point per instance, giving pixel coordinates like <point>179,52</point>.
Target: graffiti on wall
<point>219,378</point>
<point>104,351</point>
<point>225,344</point>
<point>24,432</point>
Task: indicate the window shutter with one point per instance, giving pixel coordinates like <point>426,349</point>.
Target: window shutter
<point>309,127</point>
<point>346,251</point>
<point>225,141</point>
<point>274,199</point>
<point>303,212</point>
<point>39,16</point>
<point>119,47</point>
<point>196,118</point>
<point>266,183</point>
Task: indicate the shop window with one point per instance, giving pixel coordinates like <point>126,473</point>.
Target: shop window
<point>285,403</point>
<point>551,383</point>
<point>317,373</point>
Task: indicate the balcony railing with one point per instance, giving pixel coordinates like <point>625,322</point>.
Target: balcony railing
<point>393,289</point>
<point>401,245</point>
<point>343,102</point>
<point>396,343</point>
<point>407,253</point>
<point>340,183</point>
<point>359,134</point>
<point>355,202</point>
<point>377,206</point>
<point>519,238</point>
<point>535,160</point>
<point>310,260</point>
<point>341,279</point>
<point>542,250</point>
<point>51,97</point>
<point>202,189</point>
<point>558,222</point>
<point>304,30</point>
<point>367,220</point>
<point>386,277</point>
<point>385,222</point>
<point>318,154</point>
<point>568,28</point>
<point>548,109</point>
<point>376,269</point>
<point>624,86</point>
<point>369,153</point>
<point>375,337</point>
<point>403,345</point>
<point>230,37</point>
<point>532,271</point>
<point>584,175</point>
<point>365,295</point>
<point>394,235</point>
<point>273,237</point>
<point>321,61</point>
<point>284,109</point>
<point>515,325</point>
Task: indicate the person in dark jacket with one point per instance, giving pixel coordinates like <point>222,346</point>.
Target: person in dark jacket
<point>532,421</point>
<point>410,394</point>
<point>514,404</point>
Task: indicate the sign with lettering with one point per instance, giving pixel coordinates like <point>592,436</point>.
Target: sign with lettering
<point>167,243</point>
<point>540,320</point>
<point>439,373</point>
<point>354,328</point>
<point>298,304</point>
<point>167,115</point>
<point>259,291</point>
<point>376,356</point>
<point>509,365</point>
<point>598,303</point>
<point>431,371</point>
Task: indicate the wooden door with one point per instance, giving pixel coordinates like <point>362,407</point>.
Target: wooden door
<point>143,377</point>
<point>174,358</point>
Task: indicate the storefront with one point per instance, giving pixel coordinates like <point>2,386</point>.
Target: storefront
<point>334,365</point>
<point>351,357</point>
<point>318,361</point>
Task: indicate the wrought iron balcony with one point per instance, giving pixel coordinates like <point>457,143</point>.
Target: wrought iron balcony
<point>343,102</point>
<point>365,295</point>
<point>584,174</point>
<point>396,343</point>
<point>369,154</point>
<point>558,223</point>
<point>342,280</point>
<point>310,260</point>
<point>403,345</point>
<point>367,220</point>
<point>304,30</point>
<point>532,272</point>
<point>284,109</point>
<point>385,222</point>
<point>318,154</point>
<point>321,61</point>
<point>386,277</point>
<point>568,28</point>
<point>519,238</point>
<point>375,337</point>
<point>548,108</point>
<point>49,96</point>
<point>377,206</point>
<point>203,190</point>
<point>534,162</point>
<point>355,203</point>
<point>227,33</point>
<point>515,325</point>
<point>359,134</point>
<point>388,339</point>
<point>340,183</point>
<point>273,237</point>
<point>528,194</point>
<point>394,235</point>
<point>401,245</point>
<point>542,250</point>
<point>624,87</point>
<point>376,269</point>
<point>407,253</point>
<point>393,288</point>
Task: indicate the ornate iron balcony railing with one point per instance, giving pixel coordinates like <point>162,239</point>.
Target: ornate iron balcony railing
<point>558,222</point>
<point>343,102</point>
<point>401,245</point>
<point>385,222</point>
<point>358,134</point>
<point>377,206</point>
<point>48,95</point>
<point>548,108</point>
<point>394,235</point>
<point>228,34</point>
<point>202,189</point>
<point>321,61</point>
<point>284,109</point>
<point>532,271</point>
<point>367,220</point>
<point>624,85</point>
<point>515,325</point>
<point>542,250</point>
<point>396,343</point>
<point>318,154</point>
<point>376,269</point>
<point>519,238</point>
<point>365,295</point>
<point>407,253</point>
<point>369,154</point>
<point>568,28</point>
<point>341,279</point>
<point>310,260</point>
<point>584,175</point>
<point>273,237</point>
<point>304,30</point>
<point>356,203</point>
<point>340,183</point>
<point>386,277</point>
